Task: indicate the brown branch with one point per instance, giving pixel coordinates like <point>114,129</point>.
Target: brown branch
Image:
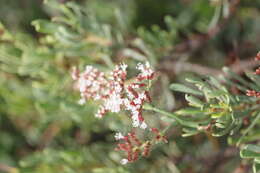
<point>176,67</point>
<point>49,134</point>
<point>242,168</point>
<point>197,41</point>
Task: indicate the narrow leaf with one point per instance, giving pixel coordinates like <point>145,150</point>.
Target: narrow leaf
<point>193,101</point>
<point>184,89</point>
<point>250,151</point>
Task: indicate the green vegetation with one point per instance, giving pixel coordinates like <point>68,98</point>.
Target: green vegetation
<point>204,94</point>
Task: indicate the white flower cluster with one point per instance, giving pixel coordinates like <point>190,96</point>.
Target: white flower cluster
<point>134,104</point>
<point>90,84</point>
<point>146,71</point>
<point>114,100</point>
<point>112,90</point>
<point>119,136</point>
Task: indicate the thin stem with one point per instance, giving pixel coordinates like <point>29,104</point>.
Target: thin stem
<point>172,115</point>
<point>168,128</point>
<point>249,128</point>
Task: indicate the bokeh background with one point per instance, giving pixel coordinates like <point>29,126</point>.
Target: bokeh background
<point>44,130</point>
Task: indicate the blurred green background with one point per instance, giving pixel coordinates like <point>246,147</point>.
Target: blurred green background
<point>44,130</point>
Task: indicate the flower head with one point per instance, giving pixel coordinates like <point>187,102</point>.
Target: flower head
<point>113,92</point>
<point>119,136</point>
<point>146,71</point>
<point>134,147</point>
<point>116,95</point>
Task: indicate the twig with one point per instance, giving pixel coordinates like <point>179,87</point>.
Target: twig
<point>253,123</point>
<point>176,67</point>
<point>172,115</point>
<point>198,40</point>
<point>49,134</point>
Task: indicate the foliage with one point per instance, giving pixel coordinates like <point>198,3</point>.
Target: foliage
<point>44,129</point>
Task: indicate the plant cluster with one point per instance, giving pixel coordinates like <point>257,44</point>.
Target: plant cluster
<point>84,74</point>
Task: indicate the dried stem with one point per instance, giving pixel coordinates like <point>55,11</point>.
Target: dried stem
<point>174,67</point>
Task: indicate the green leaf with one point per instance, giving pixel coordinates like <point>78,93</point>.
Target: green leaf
<point>239,78</point>
<point>216,93</point>
<point>184,89</point>
<point>194,79</point>
<point>44,26</point>
<point>255,78</point>
<point>189,111</point>
<point>253,123</point>
<point>193,101</point>
<point>189,132</point>
<point>215,82</point>
<point>178,119</point>
<point>257,160</point>
<point>250,151</point>
<point>256,167</point>
<point>220,133</point>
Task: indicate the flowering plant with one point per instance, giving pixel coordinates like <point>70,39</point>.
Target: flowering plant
<point>113,91</point>
<point>116,95</point>
<point>208,116</point>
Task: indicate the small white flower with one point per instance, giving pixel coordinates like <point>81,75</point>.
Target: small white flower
<point>135,123</point>
<point>135,113</point>
<point>123,66</point>
<point>75,73</point>
<point>135,86</point>
<point>118,88</point>
<point>88,68</point>
<point>137,106</point>
<point>82,101</point>
<point>97,97</point>
<point>146,70</point>
<point>130,95</point>
<point>143,125</point>
<point>119,136</point>
<point>140,66</point>
<point>98,115</point>
<point>124,161</point>
<point>142,96</point>
<point>137,101</point>
<point>113,103</point>
<point>126,102</point>
<point>100,112</point>
<point>147,64</point>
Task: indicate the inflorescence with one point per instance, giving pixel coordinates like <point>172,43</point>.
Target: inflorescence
<point>115,95</point>
<point>113,91</point>
<point>134,147</point>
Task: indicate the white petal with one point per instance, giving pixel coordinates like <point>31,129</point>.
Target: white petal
<point>119,136</point>
<point>82,101</point>
<point>124,161</point>
<point>143,125</point>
